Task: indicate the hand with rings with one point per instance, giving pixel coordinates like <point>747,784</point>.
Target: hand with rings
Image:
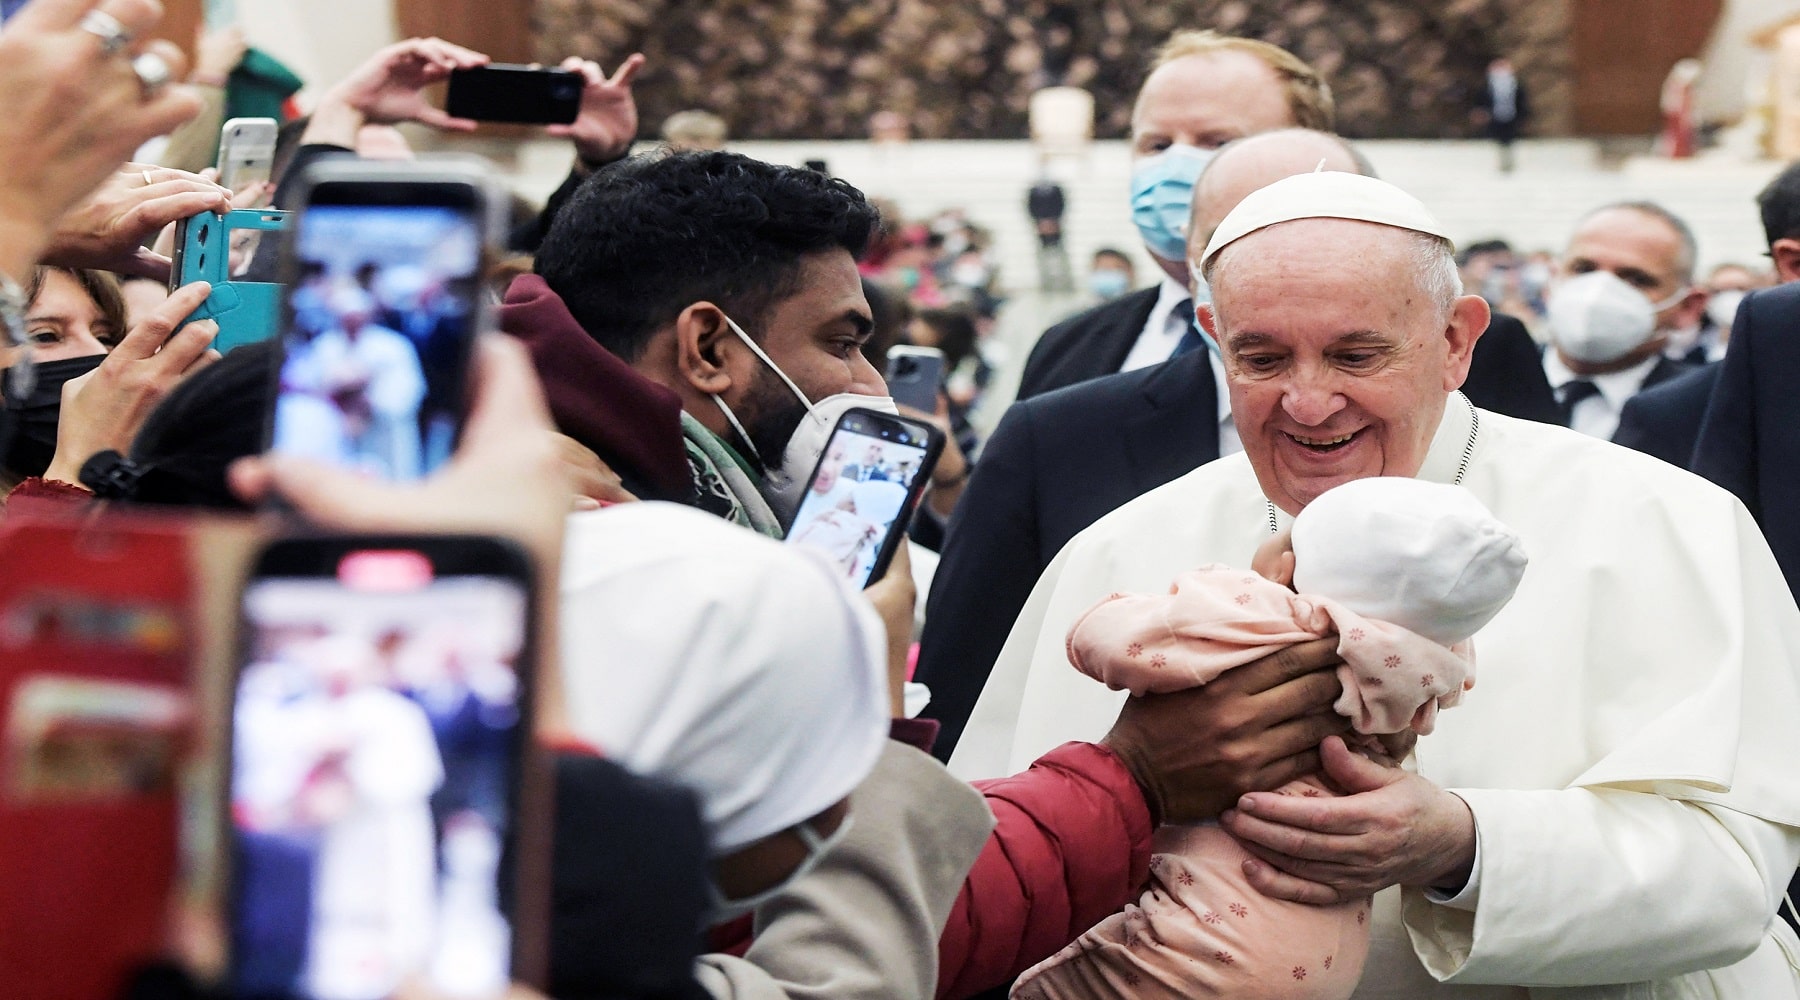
<point>108,228</point>
<point>153,71</point>
<point>82,89</point>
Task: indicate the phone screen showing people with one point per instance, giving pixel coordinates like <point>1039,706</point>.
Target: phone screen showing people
<point>377,728</point>
<point>872,471</point>
<point>381,314</point>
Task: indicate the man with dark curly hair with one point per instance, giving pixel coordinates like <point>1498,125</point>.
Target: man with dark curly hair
<point>688,312</point>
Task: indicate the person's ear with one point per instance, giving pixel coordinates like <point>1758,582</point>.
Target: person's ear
<point>1203,311</point>
<point>703,350</point>
<point>1468,321</point>
<point>1786,254</point>
<point>1692,306</point>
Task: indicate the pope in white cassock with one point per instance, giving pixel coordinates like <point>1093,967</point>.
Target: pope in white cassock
<point>1614,806</point>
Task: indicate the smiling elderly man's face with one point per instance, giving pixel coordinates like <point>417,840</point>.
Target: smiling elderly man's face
<point>1338,356</point>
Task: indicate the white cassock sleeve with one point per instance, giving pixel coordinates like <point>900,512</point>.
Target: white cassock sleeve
<point>1637,856</point>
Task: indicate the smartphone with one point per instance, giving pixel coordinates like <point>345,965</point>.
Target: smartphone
<point>246,151</point>
<point>211,248</point>
<point>504,92</point>
<point>382,304</point>
<point>862,494</point>
<point>100,734</point>
<point>915,375</point>
<point>382,805</point>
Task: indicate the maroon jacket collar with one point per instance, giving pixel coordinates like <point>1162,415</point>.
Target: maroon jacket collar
<point>632,423</point>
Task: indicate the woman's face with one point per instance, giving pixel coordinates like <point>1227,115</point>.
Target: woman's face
<point>65,322</point>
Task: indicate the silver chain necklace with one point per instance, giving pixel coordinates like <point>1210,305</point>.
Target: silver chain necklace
<point>1462,467</point>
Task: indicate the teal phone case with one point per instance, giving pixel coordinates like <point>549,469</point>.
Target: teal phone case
<point>246,311</point>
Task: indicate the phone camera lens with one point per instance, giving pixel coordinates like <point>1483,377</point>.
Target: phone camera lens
<point>205,231</point>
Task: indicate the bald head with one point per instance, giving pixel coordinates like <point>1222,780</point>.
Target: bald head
<point>1257,161</point>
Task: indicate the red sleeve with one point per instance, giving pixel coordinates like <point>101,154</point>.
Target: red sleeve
<point>36,496</point>
<point>1071,845</point>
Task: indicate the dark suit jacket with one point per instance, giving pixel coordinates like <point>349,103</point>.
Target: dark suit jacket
<point>1750,436</point>
<point>1664,420</point>
<point>1521,105</point>
<point>1506,375</point>
<point>1055,465</point>
<point>1087,345</point>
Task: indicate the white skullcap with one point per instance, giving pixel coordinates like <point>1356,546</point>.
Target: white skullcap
<point>705,654</point>
<point>1425,556</point>
<point>1324,194</point>
<point>879,500</point>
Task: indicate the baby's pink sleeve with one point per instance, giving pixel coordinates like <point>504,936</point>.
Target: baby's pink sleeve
<point>1213,618</point>
<point>1394,678</point>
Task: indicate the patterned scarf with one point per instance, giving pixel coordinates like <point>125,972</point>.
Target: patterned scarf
<point>724,483</point>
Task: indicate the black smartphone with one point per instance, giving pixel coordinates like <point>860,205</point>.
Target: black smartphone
<point>382,304</point>
<point>504,92</point>
<point>862,494</point>
<point>915,375</point>
<point>383,809</point>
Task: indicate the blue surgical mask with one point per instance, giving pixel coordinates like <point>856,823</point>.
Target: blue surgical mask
<point>1108,284</point>
<point>1202,297</point>
<point>1162,195</point>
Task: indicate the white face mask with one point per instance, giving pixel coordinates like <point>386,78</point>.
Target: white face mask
<point>784,485</point>
<point>1723,306</point>
<point>1598,318</point>
<point>726,910</point>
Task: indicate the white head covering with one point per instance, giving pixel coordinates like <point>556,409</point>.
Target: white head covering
<point>1323,194</point>
<point>879,501</point>
<point>1425,556</point>
<point>706,654</point>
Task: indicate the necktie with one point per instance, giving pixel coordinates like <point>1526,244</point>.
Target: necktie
<point>1571,393</point>
<point>1190,333</point>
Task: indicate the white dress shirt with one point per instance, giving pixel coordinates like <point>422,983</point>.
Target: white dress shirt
<point>1598,415</point>
<point>1162,331</point>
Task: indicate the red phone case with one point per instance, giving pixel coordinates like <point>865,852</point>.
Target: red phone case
<point>97,710</point>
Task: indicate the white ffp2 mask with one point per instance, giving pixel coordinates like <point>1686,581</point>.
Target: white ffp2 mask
<point>784,484</point>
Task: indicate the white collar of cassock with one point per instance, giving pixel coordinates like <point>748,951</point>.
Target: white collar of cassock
<point>1444,456</point>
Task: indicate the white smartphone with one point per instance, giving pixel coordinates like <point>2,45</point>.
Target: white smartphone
<point>246,151</point>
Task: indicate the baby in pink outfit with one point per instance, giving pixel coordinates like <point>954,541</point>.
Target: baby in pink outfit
<point>1403,572</point>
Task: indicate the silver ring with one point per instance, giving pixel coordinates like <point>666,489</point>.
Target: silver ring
<point>152,72</point>
<point>148,180</point>
<point>112,34</point>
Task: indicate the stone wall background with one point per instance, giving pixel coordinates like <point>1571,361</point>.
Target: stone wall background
<point>964,69</point>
